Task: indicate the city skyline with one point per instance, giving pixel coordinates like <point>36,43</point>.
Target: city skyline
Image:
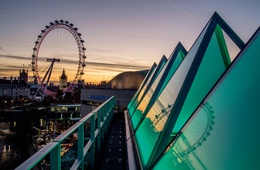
<point>119,35</point>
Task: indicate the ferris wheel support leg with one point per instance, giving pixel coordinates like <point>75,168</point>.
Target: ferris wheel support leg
<point>51,67</point>
<point>41,84</point>
<point>49,71</point>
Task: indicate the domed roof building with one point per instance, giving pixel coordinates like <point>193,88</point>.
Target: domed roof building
<point>127,80</point>
<point>123,87</point>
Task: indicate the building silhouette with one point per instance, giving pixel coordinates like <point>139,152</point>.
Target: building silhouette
<point>23,75</point>
<point>63,80</point>
<point>14,88</point>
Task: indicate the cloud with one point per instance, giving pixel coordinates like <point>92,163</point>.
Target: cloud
<point>112,65</point>
<point>6,67</point>
<point>179,6</point>
<point>102,50</point>
<point>14,57</point>
<point>4,8</point>
<point>106,66</point>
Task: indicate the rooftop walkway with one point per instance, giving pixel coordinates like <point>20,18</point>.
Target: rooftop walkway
<point>115,154</point>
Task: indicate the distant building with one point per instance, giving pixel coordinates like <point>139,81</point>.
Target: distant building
<point>92,98</point>
<point>23,75</point>
<point>14,88</point>
<point>126,80</point>
<point>81,84</point>
<point>62,116</point>
<point>63,80</point>
<point>33,89</point>
<point>123,87</point>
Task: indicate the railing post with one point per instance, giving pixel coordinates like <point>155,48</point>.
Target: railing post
<point>98,142</point>
<point>55,159</point>
<point>81,143</point>
<point>99,113</point>
<point>92,138</point>
<point>92,156</point>
<point>92,127</point>
<point>103,114</point>
<point>104,128</point>
<point>103,136</point>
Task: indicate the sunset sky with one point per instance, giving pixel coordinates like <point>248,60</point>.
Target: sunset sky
<point>119,35</point>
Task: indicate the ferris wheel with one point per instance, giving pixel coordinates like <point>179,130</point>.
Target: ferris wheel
<point>197,130</point>
<point>59,43</point>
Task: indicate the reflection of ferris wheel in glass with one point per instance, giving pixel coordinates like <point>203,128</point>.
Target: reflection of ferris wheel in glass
<point>197,131</point>
<point>58,43</point>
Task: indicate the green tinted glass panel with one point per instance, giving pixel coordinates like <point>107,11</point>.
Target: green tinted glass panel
<point>223,132</point>
<point>135,118</point>
<point>141,86</point>
<point>139,111</point>
<point>143,104</point>
<point>174,67</point>
<point>143,92</point>
<point>148,132</point>
<point>138,98</point>
<point>211,68</point>
<point>149,84</point>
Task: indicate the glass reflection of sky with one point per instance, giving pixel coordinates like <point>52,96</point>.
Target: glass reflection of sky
<point>173,63</point>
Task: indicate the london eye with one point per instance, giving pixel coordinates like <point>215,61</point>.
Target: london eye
<point>59,43</point>
<point>196,133</point>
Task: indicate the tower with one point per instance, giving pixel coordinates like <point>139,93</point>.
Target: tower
<point>63,80</point>
<point>23,75</point>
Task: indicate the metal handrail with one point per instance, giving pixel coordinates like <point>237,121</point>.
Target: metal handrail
<point>99,119</point>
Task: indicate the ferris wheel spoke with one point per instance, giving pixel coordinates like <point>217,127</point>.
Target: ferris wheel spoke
<point>46,49</point>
